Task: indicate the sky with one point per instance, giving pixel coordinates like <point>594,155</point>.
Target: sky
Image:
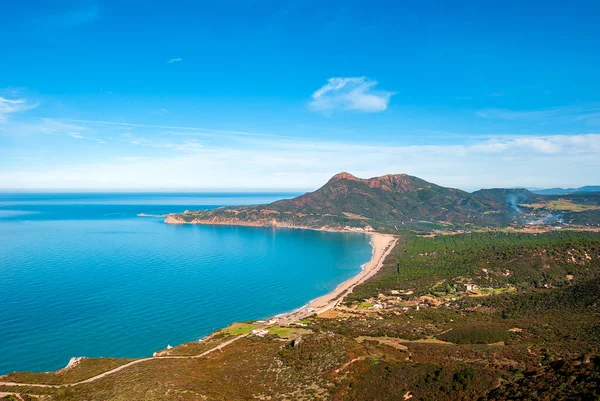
<point>125,95</point>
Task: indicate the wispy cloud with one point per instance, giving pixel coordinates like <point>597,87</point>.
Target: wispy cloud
<point>52,126</point>
<point>182,128</point>
<point>174,60</point>
<point>186,146</point>
<point>76,131</point>
<point>11,106</point>
<point>576,112</point>
<point>353,93</point>
<point>542,145</point>
<point>256,162</point>
<point>49,126</point>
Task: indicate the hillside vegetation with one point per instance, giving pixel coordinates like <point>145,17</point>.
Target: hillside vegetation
<point>400,202</point>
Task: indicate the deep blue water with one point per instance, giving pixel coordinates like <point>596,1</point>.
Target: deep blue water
<point>81,274</point>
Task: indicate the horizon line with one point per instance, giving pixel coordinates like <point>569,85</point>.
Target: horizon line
<point>163,190</point>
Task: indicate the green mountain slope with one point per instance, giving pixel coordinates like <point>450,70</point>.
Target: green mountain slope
<point>390,202</point>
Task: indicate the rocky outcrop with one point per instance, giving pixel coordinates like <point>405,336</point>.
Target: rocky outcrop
<point>74,362</point>
<point>211,219</point>
<point>175,219</point>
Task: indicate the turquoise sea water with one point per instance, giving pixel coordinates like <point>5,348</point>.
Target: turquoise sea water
<point>81,274</point>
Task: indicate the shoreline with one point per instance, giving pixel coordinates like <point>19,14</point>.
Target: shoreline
<point>174,220</point>
<point>382,246</point>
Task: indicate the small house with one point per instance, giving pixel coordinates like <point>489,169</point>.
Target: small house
<point>260,332</point>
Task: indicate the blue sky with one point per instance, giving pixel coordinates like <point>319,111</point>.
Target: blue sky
<point>283,94</point>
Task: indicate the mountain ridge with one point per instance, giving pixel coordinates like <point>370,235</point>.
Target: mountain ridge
<point>567,191</point>
<point>392,202</point>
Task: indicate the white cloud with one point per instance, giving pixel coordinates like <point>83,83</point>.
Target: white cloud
<point>541,145</point>
<point>257,162</point>
<point>354,93</point>
<point>52,126</point>
<point>174,60</point>
<point>11,106</point>
<point>49,126</point>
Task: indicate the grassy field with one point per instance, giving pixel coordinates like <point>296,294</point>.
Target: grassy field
<point>288,332</point>
<point>237,329</point>
<point>561,205</point>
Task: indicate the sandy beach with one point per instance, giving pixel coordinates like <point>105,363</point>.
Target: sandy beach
<point>382,246</point>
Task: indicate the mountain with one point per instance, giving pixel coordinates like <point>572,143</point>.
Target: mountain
<point>389,202</point>
<point>567,191</point>
<point>390,198</point>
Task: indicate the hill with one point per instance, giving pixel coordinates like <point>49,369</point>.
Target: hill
<point>567,191</point>
<point>391,202</point>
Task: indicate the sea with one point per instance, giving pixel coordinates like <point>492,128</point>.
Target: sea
<point>81,274</point>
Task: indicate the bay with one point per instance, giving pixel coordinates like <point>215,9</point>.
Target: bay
<point>83,275</point>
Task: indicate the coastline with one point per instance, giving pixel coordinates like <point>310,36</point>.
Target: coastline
<point>382,246</point>
<point>174,219</point>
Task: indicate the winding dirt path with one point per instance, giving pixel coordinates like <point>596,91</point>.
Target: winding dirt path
<point>15,394</point>
<point>117,369</point>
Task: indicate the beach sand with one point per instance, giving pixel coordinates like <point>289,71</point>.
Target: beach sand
<point>382,246</point>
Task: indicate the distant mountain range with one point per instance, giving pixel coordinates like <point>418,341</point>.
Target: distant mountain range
<point>398,201</point>
<point>567,191</point>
